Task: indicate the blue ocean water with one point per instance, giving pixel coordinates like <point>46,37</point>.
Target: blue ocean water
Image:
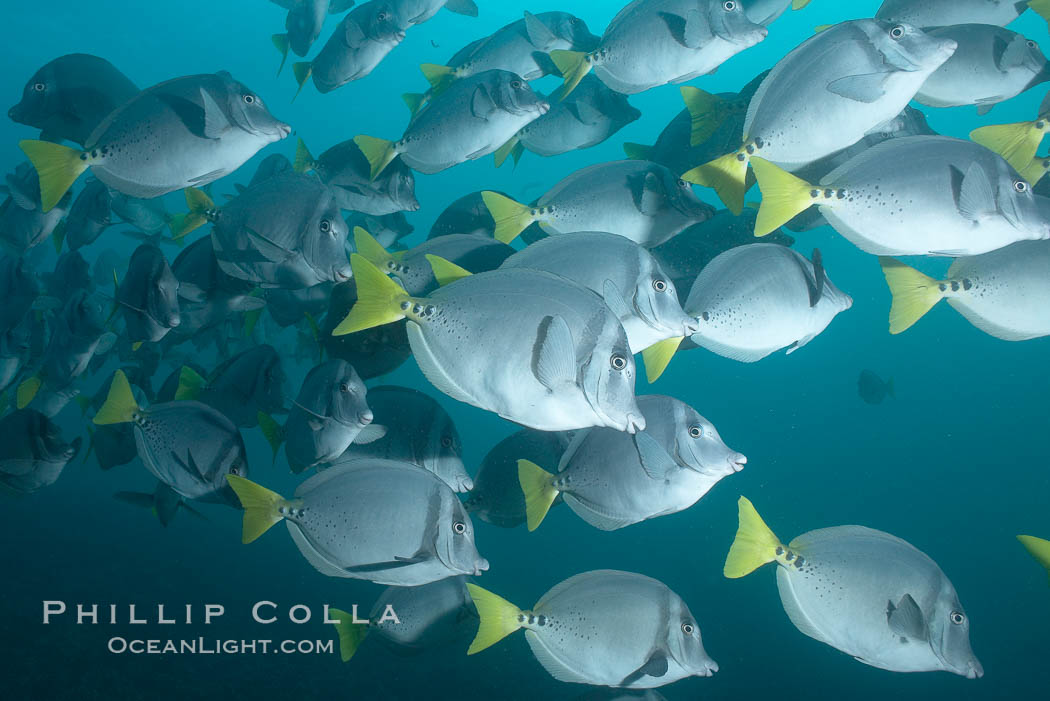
<point>956,465</point>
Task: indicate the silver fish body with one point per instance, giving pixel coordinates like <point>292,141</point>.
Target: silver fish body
<point>877,598</point>
<point>580,635</point>
<point>473,118</point>
<point>639,200</point>
<point>932,195</point>
<point>69,96</point>
<point>587,117</point>
<point>386,522</point>
<point>148,295</point>
<point>613,480</point>
<point>286,231</point>
<point>626,276</point>
<point>827,93</point>
<point>656,42</point>
<point>418,432</point>
<point>186,132</point>
<point>329,413</point>
<point>753,300</point>
<point>990,65</point>
<point>552,354</point>
<point>191,447</point>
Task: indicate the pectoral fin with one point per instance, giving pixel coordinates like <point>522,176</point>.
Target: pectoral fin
<point>655,666</point>
<point>974,197</point>
<point>867,88</point>
<point>906,619</point>
<point>554,354</point>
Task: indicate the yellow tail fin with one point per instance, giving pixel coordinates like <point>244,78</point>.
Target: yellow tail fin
<point>413,101</point>
<point>280,42</point>
<point>1041,8</point>
<point>58,235</point>
<point>499,618</point>
<point>1017,143</point>
<point>379,299</point>
<point>351,634</point>
<point>1036,169</point>
<point>1038,548</point>
<point>508,149</point>
<point>754,545</point>
<point>190,384</point>
<point>379,152</point>
<point>707,112</point>
<point>272,431</point>
<point>511,217</point>
<point>26,391</point>
<point>302,71</point>
<point>57,167</point>
<point>120,406</point>
<point>367,246</point>
<point>198,204</point>
<point>573,66</point>
<point>727,175</point>
<point>539,492</point>
<point>658,356</point>
<point>913,293</point>
<point>304,160</point>
<point>262,508</point>
<point>445,271</point>
<point>798,4</point>
<point>439,77</point>
<point>637,152</point>
<point>784,196</point>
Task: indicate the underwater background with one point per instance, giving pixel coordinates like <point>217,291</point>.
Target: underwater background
<point>957,464</point>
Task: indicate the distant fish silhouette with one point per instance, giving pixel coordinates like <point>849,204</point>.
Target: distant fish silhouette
<point>873,389</point>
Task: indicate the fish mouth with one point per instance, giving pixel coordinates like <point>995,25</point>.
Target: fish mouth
<point>365,417</point>
<point>14,113</point>
<point>710,667</point>
<point>974,670</point>
<point>690,326</point>
<point>283,130</point>
<point>1041,77</point>
<point>737,462</point>
<point>947,48</point>
<point>544,106</point>
<point>482,565</point>
<point>635,423</point>
<point>343,274</point>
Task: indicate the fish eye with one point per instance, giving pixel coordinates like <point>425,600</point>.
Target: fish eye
<point>956,618</point>
<point>249,99</point>
<point>382,17</point>
<point>574,21</point>
<point>729,5</point>
<point>326,226</point>
<point>897,32</point>
<point>235,469</point>
<point>343,387</point>
<point>446,441</point>
<point>459,527</point>
<point>39,87</point>
<point>687,628</point>
<point>1021,186</point>
<point>516,84</point>
<point>1031,44</point>
<point>618,362</point>
<point>696,431</point>
<point>659,285</point>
